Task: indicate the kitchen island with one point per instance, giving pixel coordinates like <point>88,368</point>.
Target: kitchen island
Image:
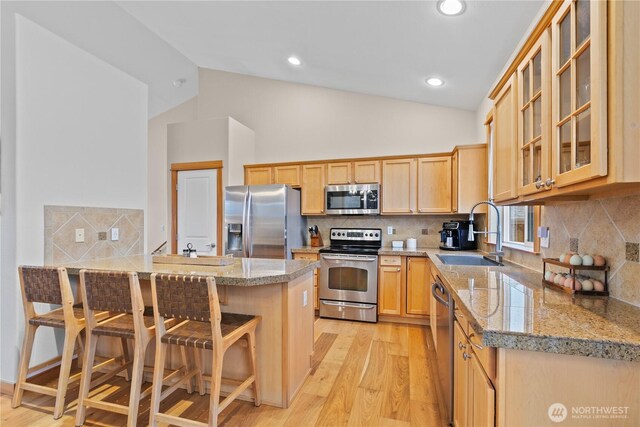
<point>278,290</point>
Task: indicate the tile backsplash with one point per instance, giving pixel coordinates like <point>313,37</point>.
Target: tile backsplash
<point>608,227</point>
<point>405,226</point>
<point>60,223</point>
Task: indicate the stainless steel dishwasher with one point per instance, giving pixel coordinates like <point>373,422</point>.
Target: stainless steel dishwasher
<point>443,335</point>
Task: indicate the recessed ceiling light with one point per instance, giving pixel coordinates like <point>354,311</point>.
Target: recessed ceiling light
<point>434,81</point>
<point>294,60</point>
<point>451,7</point>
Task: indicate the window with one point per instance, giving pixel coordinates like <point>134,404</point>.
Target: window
<point>518,227</point>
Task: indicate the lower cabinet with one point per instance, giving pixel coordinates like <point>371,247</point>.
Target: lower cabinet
<point>403,286</point>
<point>312,257</point>
<point>473,392</point>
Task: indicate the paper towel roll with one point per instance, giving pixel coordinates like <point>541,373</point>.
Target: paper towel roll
<point>412,243</point>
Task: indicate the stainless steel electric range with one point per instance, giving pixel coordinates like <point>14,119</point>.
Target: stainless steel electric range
<point>349,274</point>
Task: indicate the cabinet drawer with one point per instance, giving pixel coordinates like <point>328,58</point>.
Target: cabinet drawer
<point>462,319</point>
<point>485,355</point>
<point>310,257</point>
<point>390,260</point>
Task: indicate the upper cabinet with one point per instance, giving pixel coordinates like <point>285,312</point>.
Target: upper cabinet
<point>258,175</point>
<point>434,185</point>
<point>366,172</point>
<point>469,178</point>
<point>504,143</point>
<point>534,112</point>
<point>566,111</point>
<point>579,87</point>
<point>313,183</point>
<point>399,186</point>
<point>289,174</point>
<point>362,172</point>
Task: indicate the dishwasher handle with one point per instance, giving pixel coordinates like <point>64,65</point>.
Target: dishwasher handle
<point>436,290</point>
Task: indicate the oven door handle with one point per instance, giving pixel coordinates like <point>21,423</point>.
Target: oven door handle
<point>345,304</point>
<point>338,258</point>
<point>436,290</point>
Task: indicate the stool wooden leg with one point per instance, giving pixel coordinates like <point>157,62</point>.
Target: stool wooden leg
<point>158,375</point>
<point>254,366</point>
<point>136,382</point>
<point>25,357</point>
<point>216,381</point>
<point>127,357</point>
<point>197,356</point>
<point>80,348</point>
<point>187,367</point>
<point>70,336</point>
<point>85,379</point>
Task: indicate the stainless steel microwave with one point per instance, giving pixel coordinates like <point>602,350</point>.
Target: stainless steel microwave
<point>357,199</point>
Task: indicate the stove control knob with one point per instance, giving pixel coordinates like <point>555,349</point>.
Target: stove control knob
<point>376,234</point>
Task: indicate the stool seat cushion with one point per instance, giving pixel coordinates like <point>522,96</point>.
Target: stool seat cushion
<point>198,334</point>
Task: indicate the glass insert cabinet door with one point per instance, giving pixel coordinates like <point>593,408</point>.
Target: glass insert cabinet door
<point>534,117</point>
<point>579,84</point>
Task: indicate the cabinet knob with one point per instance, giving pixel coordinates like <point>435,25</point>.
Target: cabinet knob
<point>549,182</point>
<point>539,184</point>
<point>398,269</point>
<point>461,346</point>
<point>466,356</point>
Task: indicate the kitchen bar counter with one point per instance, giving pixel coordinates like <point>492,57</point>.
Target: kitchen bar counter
<point>277,290</point>
<point>243,271</point>
<point>511,309</point>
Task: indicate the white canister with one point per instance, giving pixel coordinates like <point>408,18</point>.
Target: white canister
<point>412,243</point>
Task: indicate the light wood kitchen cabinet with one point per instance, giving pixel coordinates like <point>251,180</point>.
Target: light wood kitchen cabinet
<point>418,286</point>
<point>504,143</point>
<point>403,287</point>
<point>366,172</point>
<point>390,290</point>
<point>258,176</point>
<point>339,173</point>
<point>399,178</point>
<point>579,91</point>
<point>534,118</point>
<point>434,184</point>
<point>289,175</point>
<point>313,183</point>
<point>474,394</point>
<point>469,183</point>
<point>312,257</point>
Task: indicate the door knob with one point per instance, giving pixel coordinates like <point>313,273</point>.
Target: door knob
<point>211,245</point>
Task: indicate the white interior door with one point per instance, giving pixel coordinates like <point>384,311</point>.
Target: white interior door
<point>197,211</point>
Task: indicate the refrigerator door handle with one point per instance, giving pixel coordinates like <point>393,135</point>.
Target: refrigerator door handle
<point>245,229</point>
<point>248,234</point>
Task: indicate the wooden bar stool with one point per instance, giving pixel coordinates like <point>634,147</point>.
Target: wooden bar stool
<point>48,285</point>
<point>120,294</point>
<point>196,299</point>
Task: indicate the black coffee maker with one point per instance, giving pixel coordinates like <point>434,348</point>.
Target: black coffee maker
<point>455,236</point>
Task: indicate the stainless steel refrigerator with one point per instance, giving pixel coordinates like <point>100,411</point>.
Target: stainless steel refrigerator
<point>262,221</point>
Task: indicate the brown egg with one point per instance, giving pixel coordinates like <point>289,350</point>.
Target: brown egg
<point>552,277</point>
<point>567,258</point>
<point>598,260</point>
<point>568,282</point>
<point>598,286</point>
<point>578,285</point>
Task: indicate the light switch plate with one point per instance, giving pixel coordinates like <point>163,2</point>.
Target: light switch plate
<point>543,234</point>
<point>115,234</point>
<point>305,299</point>
<point>391,230</point>
<point>79,235</point>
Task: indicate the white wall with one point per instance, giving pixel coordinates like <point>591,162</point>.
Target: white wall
<point>300,122</point>
<point>81,139</point>
<point>158,170</point>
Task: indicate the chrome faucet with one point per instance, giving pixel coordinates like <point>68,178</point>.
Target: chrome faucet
<point>498,254</point>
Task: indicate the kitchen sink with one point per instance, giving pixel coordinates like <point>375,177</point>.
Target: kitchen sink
<point>476,260</point>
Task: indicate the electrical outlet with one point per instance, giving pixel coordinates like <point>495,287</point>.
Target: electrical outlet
<point>102,235</point>
<point>425,231</point>
<point>79,235</point>
<point>391,230</point>
<point>543,234</point>
<point>305,299</point>
<point>115,234</point>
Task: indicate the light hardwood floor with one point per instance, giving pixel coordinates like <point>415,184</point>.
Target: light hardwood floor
<point>363,374</point>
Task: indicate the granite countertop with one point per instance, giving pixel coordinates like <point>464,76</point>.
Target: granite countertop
<point>404,251</point>
<point>307,249</point>
<point>511,309</point>
<point>243,271</point>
